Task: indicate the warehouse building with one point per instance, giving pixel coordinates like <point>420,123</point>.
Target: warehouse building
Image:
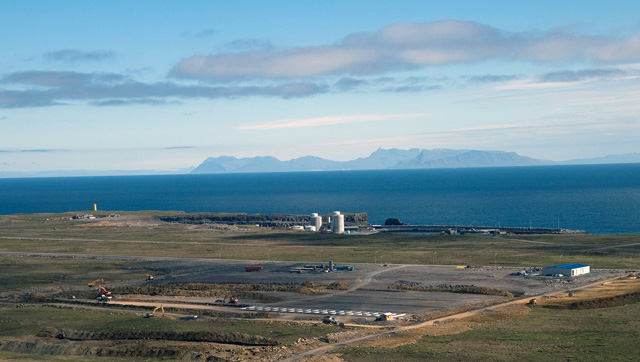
<point>566,270</point>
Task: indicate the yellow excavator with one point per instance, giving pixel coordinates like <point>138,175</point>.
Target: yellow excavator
<point>93,283</point>
<point>153,314</point>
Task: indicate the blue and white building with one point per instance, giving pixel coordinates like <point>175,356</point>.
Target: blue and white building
<point>567,270</point>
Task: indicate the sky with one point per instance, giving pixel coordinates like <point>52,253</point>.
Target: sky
<point>162,85</point>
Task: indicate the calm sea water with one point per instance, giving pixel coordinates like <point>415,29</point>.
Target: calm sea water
<point>600,199</point>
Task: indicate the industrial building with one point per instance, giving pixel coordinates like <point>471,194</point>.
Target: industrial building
<point>315,222</point>
<point>337,223</point>
<point>566,270</point>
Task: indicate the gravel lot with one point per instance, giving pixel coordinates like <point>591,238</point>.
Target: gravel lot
<point>369,283</point>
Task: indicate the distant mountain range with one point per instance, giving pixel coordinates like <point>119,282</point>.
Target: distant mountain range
<point>381,159</point>
<point>393,158</point>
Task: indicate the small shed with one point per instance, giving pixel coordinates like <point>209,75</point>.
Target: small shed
<point>566,270</point>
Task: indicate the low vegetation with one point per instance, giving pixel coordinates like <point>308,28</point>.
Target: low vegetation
<point>138,234</point>
<point>608,302</point>
<point>189,336</point>
<point>29,321</point>
<point>607,334</point>
<point>245,291</point>
<point>469,289</point>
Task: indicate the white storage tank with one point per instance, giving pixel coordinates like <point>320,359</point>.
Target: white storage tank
<point>337,223</point>
<point>316,221</point>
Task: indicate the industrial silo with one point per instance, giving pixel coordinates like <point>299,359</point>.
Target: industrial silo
<point>337,223</point>
<point>316,221</point>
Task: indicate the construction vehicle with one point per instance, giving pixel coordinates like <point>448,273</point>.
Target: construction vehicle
<point>93,283</point>
<point>332,320</point>
<point>103,294</point>
<point>149,277</point>
<point>153,314</point>
<point>385,317</point>
<point>232,300</point>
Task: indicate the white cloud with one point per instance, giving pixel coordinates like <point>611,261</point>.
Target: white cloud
<point>330,120</point>
<point>409,46</point>
<point>294,63</point>
<point>73,55</point>
<point>286,73</point>
<point>47,88</point>
<point>598,49</point>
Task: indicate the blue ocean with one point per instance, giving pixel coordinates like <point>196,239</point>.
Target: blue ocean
<point>599,199</point>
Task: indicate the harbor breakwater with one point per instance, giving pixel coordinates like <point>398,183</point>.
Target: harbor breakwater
<point>271,220</point>
<point>352,219</point>
<point>467,229</point>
